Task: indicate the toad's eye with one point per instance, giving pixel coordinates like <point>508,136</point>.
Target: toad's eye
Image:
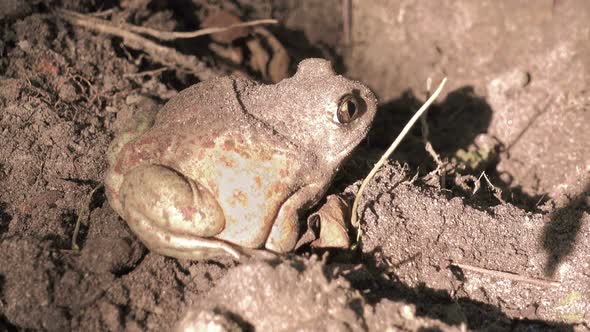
<point>348,109</point>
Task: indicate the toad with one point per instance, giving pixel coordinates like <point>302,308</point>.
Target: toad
<point>230,165</point>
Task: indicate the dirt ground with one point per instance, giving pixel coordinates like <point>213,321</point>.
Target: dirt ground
<point>443,248</point>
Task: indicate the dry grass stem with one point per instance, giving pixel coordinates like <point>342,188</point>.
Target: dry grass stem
<point>388,153</point>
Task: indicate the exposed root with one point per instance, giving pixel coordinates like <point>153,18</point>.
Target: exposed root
<point>159,53</point>
<point>173,35</point>
<point>147,73</point>
<point>162,54</point>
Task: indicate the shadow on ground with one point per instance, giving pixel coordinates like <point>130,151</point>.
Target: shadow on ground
<point>560,234</point>
<point>439,304</point>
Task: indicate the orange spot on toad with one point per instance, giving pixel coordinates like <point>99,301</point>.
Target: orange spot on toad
<point>226,161</point>
<point>189,212</point>
<point>208,144</point>
<point>258,181</point>
<point>228,145</point>
<point>240,197</point>
<point>275,189</point>
<point>284,172</point>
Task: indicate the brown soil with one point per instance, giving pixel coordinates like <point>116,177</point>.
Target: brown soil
<point>434,255</point>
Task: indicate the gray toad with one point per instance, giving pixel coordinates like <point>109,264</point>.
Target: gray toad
<point>230,164</point>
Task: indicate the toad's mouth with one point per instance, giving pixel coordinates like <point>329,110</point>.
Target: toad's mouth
<point>348,149</point>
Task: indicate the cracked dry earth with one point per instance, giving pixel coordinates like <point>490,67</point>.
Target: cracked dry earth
<point>435,256</point>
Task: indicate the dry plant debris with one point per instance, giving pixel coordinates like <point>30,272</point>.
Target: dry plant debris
<point>388,153</point>
<point>159,53</point>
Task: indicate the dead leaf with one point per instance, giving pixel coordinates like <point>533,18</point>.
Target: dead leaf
<point>259,58</point>
<point>334,219</point>
<point>278,67</point>
<point>231,54</point>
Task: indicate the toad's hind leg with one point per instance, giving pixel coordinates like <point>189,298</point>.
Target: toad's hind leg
<point>172,214</point>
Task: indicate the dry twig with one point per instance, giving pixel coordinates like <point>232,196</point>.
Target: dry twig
<point>162,54</point>
<point>508,275</point>
<point>147,73</point>
<point>440,165</point>
<point>347,22</point>
<point>389,151</point>
<point>172,35</point>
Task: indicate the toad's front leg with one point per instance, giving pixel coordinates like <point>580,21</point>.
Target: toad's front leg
<point>172,214</point>
<point>285,230</point>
